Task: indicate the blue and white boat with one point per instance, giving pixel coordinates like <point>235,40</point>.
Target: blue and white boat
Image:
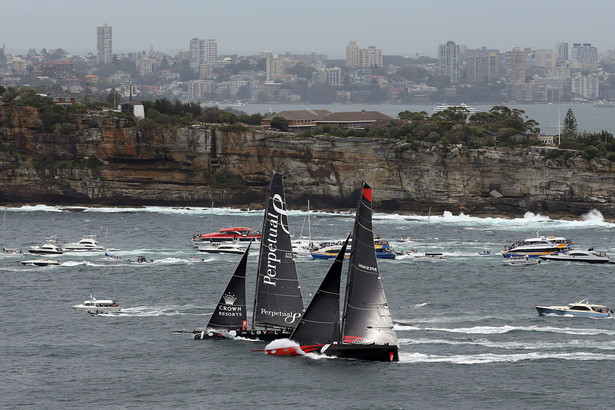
<point>538,246</point>
<point>582,308</point>
<point>330,250</point>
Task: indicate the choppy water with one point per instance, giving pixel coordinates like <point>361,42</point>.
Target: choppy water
<point>474,339</point>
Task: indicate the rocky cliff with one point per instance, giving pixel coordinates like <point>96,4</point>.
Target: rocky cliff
<point>102,160</point>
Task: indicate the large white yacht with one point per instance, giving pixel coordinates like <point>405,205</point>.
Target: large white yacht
<point>50,247</point>
<point>87,243</point>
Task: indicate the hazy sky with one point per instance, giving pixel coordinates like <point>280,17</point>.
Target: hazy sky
<point>246,27</point>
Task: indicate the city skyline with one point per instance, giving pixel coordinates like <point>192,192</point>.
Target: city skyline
<point>246,28</point>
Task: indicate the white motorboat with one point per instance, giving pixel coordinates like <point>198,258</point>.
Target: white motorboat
<point>41,262</point>
<point>222,247</point>
<point>87,243</point>
<point>588,256</point>
<point>98,306</point>
<point>50,247</point>
<point>582,308</point>
<point>430,257</point>
<point>521,261</point>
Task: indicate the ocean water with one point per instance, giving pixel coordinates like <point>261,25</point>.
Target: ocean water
<point>471,337</point>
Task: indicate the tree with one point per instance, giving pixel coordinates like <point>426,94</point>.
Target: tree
<point>570,126</point>
<point>279,123</point>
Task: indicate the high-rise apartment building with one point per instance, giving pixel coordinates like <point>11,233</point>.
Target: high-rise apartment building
<point>482,65</point>
<point>515,66</point>
<point>562,51</point>
<point>211,51</point>
<point>363,57</point>
<point>103,44</point>
<point>545,59</point>
<point>198,51</point>
<point>352,55</point>
<point>449,55</point>
<point>584,54</point>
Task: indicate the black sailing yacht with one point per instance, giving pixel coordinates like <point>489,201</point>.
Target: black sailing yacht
<point>367,327</point>
<point>278,303</point>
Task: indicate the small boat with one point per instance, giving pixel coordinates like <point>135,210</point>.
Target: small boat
<point>582,308</point>
<point>486,252</point>
<point>588,256</point>
<point>431,257</point>
<point>50,247</point>
<point>236,233</point>
<point>41,262</point>
<point>328,250</point>
<point>98,306</point>
<point>11,251</point>
<point>222,247</point>
<point>141,259</point>
<point>538,246</point>
<point>521,261</point>
<point>87,243</point>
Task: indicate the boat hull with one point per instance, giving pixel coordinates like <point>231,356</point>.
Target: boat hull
<point>565,259</point>
<point>253,334</point>
<point>545,310</point>
<point>41,262</point>
<point>371,352</point>
<point>45,252</point>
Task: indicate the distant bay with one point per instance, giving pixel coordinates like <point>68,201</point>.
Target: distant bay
<point>589,118</point>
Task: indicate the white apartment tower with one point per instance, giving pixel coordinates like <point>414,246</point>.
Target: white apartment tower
<point>197,53</point>
<point>211,51</point>
<point>585,54</point>
<point>352,55</point>
<point>103,44</point>
<point>449,55</point>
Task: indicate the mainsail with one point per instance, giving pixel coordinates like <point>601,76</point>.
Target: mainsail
<point>278,301</point>
<point>320,323</point>
<point>230,314</point>
<point>366,316</point>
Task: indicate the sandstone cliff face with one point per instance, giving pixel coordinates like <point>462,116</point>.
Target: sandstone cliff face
<point>194,166</point>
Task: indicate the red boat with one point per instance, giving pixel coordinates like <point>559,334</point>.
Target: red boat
<point>236,233</point>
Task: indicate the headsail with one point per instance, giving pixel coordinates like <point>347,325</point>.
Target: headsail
<point>231,312</point>
<point>320,323</point>
<point>278,301</point>
<point>366,316</point>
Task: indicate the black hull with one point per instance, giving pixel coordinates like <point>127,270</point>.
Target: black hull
<point>372,352</point>
<point>263,335</point>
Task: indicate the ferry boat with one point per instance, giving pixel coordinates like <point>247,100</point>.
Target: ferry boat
<point>582,308</point>
<point>235,233</point>
<point>538,246</point>
<point>98,306</point>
